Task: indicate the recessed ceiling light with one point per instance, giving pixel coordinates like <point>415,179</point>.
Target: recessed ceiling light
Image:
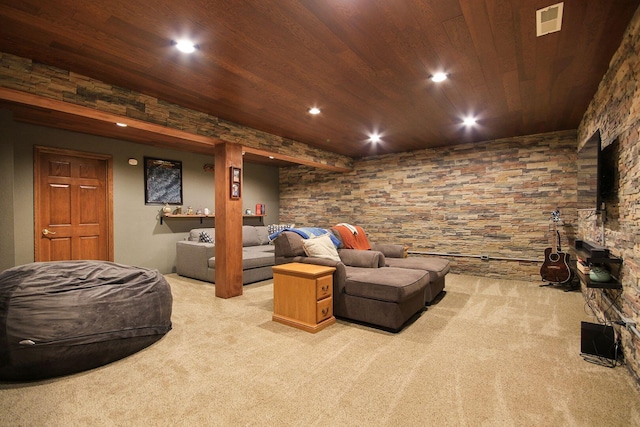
<point>271,157</point>
<point>314,110</point>
<point>374,137</point>
<point>186,46</point>
<point>469,121</point>
<point>439,77</point>
<point>122,125</point>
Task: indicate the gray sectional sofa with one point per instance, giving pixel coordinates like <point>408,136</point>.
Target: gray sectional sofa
<point>370,287</point>
<point>196,258</point>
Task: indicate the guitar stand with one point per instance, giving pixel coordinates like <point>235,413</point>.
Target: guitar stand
<point>571,285</point>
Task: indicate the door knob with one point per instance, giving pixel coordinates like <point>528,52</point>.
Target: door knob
<point>45,232</point>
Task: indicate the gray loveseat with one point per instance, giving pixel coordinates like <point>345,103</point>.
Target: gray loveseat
<point>196,259</point>
<point>365,289</point>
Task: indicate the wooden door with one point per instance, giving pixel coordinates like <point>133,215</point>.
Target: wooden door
<point>72,205</point>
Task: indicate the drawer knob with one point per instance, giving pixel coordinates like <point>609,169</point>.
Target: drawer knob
<point>325,311</point>
<point>325,288</point>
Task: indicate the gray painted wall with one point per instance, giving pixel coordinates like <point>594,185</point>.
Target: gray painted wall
<point>261,185</point>
<point>139,239</point>
<point>7,252</point>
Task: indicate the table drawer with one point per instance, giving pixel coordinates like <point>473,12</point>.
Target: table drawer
<point>324,309</point>
<point>324,287</point>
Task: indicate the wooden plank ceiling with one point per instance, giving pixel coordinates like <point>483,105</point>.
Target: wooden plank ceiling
<point>364,63</point>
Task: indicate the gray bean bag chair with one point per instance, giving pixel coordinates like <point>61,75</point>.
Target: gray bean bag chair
<point>57,318</point>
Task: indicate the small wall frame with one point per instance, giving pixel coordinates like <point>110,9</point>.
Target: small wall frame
<point>236,182</point>
<point>163,181</point>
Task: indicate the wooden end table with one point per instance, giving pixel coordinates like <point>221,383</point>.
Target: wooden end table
<point>303,296</point>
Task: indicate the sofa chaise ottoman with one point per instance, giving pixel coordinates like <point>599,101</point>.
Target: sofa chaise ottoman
<point>395,256</point>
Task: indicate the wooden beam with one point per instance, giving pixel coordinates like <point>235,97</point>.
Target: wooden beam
<point>38,101</point>
<point>292,159</point>
<point>90,120</point>
<point>228,222</point>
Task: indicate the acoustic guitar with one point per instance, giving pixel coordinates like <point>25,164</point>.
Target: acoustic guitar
<point>555,268</point>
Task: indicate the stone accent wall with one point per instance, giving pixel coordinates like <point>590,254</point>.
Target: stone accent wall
<point>493,198</point>
<point>615,111</point>
<point>25,75</point>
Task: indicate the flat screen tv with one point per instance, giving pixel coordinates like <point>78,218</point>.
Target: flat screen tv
<point>597,174</point>
<point>608,175</point>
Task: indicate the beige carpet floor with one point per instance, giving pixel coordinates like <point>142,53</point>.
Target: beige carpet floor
<point>490,353</point>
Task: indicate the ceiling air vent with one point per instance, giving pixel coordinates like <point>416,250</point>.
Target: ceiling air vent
<point>549,19</point>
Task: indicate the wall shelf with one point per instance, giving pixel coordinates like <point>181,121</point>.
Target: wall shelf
<point>201,217</point>
<point>592,254</point>
<point>612,284</point>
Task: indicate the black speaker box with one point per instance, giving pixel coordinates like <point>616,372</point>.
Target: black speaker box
<point>598,340</point>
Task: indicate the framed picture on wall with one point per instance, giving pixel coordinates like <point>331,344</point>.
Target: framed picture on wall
<point>236,173</point>
<point>162,181</point>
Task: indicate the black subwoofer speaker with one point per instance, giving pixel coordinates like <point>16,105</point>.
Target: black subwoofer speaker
<point>598,340</point>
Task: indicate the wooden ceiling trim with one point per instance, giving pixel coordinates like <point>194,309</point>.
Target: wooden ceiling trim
<point>291,159</point>
<point>30,99</point>
<point>39,110</point>
<point>59,120</point>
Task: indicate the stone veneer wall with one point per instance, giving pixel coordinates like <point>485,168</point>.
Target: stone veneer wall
<point>493,198</point>
<point>27,76</point>
<point>615,111</point>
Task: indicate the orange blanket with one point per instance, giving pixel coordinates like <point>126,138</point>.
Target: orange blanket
<point>353,241</point>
